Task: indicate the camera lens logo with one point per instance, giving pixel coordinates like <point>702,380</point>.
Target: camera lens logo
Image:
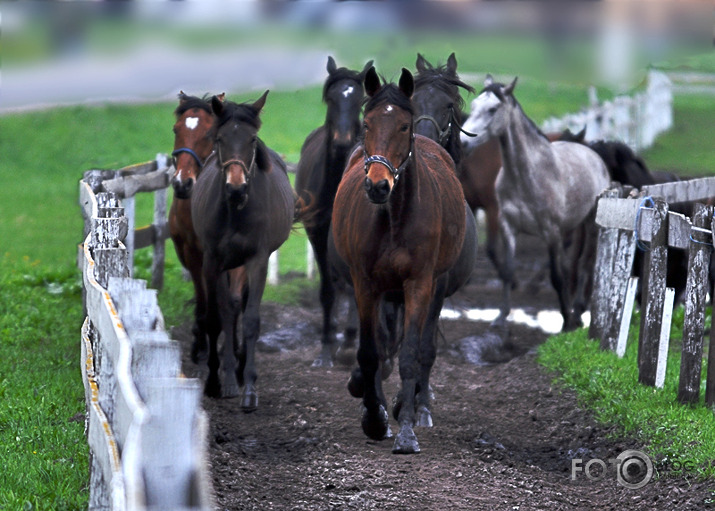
<point>634,469</point>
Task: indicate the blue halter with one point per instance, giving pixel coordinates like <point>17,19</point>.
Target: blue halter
<point>189,151</point>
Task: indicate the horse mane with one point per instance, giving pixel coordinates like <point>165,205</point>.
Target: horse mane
<point>389,93</point>
<point>240,112</point>
<point>447,82</point>
<point>496,89</point>
<point>189,102</point>
<point>339,74</point>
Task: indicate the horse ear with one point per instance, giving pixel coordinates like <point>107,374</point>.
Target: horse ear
<point>509,89</point>
<point>581,135</point>
<point>221,97</point>
<point>216,105</point>
<point>365,69</point>
<point>332,66</point>
<point>488,80</point>
<point>260,102</point>
<point>372,82</point>
<point>452,64</point>
<point>182,96</point>
<point>407,83</point>
<point>421,64</point>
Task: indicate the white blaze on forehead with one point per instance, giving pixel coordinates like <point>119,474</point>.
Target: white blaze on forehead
<point>348,90</point>
<point>192,122</point>
<point>388,109</point>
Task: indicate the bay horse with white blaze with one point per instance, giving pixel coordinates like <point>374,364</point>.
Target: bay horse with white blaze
<point>547,189</point>
<point>323,157</point>
<point>193,143</point>
<point>401,225</point>
<point>242,207</point>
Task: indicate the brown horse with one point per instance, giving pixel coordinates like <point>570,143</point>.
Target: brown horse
<point>193,143</point>
<point>242,207</point>
<point>401,225</point>
<point>323,157</point>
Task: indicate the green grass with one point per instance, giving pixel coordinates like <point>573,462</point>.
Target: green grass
<point>43,449</point>
<point>675,435</point>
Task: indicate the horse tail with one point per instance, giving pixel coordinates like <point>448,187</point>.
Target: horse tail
<point>305,211</point>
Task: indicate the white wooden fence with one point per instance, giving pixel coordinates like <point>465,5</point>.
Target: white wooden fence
<point>635,120</point>
<point>145,426</point>
<point>645,218</point>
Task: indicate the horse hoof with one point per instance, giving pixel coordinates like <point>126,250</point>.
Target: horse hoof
<point>423,417</point>
<point>230,388</point>
<point>322,361</point>
<point>406,441</point>
<point>356,385</point>
<point>212,389</point>
<point>374,424</point>
<point>249,400</point>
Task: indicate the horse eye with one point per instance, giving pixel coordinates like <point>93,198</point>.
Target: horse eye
<point>404,128</point>
<point>492,110</point>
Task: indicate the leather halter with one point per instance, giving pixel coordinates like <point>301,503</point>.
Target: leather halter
<point>444,133</point>
<point>190,151</point>
<point>396,172</point>
<point>240,163</point>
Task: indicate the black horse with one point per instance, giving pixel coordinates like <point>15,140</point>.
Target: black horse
<point>322,160</point>
<point>242,207</point>
<point>438,104</point>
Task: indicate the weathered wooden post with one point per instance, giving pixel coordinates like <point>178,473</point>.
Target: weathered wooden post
<point>621,272</point>
<point>655,260</point>
<point>602,274</point>
<point>691,357</point>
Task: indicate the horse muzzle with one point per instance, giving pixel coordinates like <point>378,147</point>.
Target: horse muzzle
<point>237,196</point>
<point>182,188</point>
<point>379,192</point>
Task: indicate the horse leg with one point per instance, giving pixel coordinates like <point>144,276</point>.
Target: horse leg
<point>319,242</point>
<point>560,283</point>
<point>229,308</point>
<point>213,329</point>
<point>251,330</point>
<point>198,347</point>
<point>428,354</point>
<point>505,268</point>
<point>418,297</point>
<point>585,270</point>
<point>374,420</point>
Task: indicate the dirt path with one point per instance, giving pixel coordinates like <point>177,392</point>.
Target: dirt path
<point>504,434</point>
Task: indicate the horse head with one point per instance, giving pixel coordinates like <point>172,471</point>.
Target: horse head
<point>388,133</point>
<point>193,141</point>
<point>489,116</point>
<point>343,94</point>
<point>238,146</point>
<point>438,103</point>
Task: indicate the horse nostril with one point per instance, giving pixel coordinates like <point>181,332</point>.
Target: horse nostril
<point>368,184</point>
<point>383,187</point>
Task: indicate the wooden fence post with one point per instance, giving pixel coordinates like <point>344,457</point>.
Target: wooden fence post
<point>691,357</point>
<point>653,292</point>
<point>622,268</point>
<point>602,276</point>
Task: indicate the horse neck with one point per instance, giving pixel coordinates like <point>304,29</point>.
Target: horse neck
<point>336,157</point>
<point>520,142</point>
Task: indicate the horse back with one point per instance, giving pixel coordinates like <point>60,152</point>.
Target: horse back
<point>582,171</point>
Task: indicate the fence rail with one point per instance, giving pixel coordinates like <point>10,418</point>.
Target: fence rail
<point>635,120</point>
<point>145,426</point>
<point>626,220</point>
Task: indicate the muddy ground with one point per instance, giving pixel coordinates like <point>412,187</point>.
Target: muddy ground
<point>504,434</point>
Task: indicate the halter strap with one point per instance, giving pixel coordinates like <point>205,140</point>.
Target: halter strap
<point>444,133</point>
<point>190,151</point>
<point>378,158</point>
<point>235,161</point>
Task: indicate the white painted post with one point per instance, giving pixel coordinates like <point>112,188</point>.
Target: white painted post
<point>130,211</point>
<point>627,315</point>
<point>664,341</point>
<point>273,278</point>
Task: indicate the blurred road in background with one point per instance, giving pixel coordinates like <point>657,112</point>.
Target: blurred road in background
<point>157,73</point>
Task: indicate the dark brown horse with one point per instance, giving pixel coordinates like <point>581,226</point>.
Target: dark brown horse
<point>401,225</point>
<point>193,143</point>
<point>322,160</point>
<point>242,207</point>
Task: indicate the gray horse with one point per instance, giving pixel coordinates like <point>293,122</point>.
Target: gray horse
<point>547,189</point>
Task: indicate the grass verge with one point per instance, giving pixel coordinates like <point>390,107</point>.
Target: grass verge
<point>679,439</point>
